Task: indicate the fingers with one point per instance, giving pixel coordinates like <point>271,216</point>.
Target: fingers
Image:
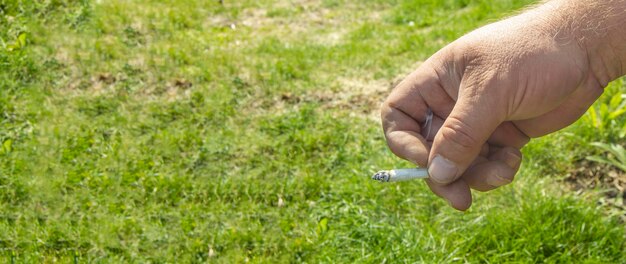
<point>457,193</point>
<point>408,145</point>
<point>402,133</point>
<point>459,141</point>
<point>483,175</point>
<point>407,96</point>
<point>512,157</point>
<point>498,171</point>
<point>404,111</point>
<point>505,135</point>
<point>459,131</point>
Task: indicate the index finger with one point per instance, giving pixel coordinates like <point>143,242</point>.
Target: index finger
<point>403,114</point>
<point>403,136</point>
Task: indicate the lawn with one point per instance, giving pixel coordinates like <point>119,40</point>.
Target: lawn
<point>193,131</point>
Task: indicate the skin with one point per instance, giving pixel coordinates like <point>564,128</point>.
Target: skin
<point>500,85</point>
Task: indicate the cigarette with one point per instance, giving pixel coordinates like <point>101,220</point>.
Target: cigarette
<point>400,175</point>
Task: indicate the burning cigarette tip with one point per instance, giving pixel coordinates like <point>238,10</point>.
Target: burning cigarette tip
<point>400,175</point>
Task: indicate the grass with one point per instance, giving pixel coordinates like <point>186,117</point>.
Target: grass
<point>189,131</point>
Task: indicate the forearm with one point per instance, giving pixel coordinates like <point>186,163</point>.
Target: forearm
<point>600,28</point>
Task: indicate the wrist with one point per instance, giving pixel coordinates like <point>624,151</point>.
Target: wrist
<point>599,28</point>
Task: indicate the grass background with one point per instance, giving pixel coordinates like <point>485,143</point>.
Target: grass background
<point>191,131</point>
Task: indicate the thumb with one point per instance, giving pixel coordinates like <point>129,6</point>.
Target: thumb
<point>473,119</point>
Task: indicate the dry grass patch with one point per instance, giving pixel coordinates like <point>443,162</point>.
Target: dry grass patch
<point>608,180</point>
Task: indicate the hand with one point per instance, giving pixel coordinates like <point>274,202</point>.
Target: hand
<point>490,91</point>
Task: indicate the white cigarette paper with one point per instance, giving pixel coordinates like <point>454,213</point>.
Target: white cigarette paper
<point>401,175</point>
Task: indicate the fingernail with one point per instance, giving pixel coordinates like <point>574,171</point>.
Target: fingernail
<point>503,181</point>
<point>442,170</point>
<point>512,160</point>
<point>498,180</point>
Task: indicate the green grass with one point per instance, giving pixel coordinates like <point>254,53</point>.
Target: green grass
<point>188,131</point>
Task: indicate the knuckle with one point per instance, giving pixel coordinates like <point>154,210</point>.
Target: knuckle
<point>391,104</point>
<point>459,134</point>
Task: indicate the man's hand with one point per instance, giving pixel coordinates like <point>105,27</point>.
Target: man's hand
<point>493,89</point>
